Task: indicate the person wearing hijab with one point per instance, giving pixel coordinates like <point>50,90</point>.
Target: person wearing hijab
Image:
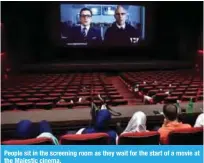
<point>137,123</point>
<point>101,124</point>
<point>27,130</point>
<point>199,121</point>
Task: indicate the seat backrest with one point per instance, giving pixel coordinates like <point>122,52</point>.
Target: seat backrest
<point>85,139</point>
<point>189,136</point>
<point>139,138</point>
<point>33,141</point>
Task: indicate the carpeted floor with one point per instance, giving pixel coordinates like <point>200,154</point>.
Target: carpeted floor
<point>123,90</point>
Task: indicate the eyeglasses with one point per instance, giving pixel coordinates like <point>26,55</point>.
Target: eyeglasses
<point>117,14</point>
<point>83,16</point>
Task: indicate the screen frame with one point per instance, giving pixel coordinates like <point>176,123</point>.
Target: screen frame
<point>53,21</point>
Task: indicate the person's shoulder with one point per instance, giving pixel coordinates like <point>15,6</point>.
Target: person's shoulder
<point>112,133</point>
<point>112,27</point>
<point>185,125</point>
<point>130,27</point>
<point>164,129</point>
<point>75,28</point>
<point>160,129</point>
<point>94,29</point>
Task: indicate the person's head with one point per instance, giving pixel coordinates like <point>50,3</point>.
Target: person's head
<point>200,121</point>
<point>24,129</point>
<point>170,112</point>
<point>120,15</point>
<point>137,123</point>
<point>85,16</point>
<point>103,118</point>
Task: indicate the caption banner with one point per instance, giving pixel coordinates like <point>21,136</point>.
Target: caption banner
<point>63,154</point>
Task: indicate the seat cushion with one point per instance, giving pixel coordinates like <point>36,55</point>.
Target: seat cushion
<point>85,139</point>
<point>139,138</point>
<point>34,141</point>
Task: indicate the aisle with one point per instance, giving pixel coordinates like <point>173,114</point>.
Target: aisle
<point>122,89</point>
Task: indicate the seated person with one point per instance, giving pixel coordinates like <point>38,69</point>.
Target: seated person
<point>199,121</point>
<point>100,123</point>
<point>27,130</point>
<point>85,33</point>
<point>136,124</point>
<point>170,122</point>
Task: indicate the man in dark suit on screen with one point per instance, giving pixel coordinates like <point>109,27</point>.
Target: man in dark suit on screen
<point>85,33</point>
<point>121,33</point>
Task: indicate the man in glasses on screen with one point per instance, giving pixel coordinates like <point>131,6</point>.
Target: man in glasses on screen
<point>121,33</point>
<point>85,33</point>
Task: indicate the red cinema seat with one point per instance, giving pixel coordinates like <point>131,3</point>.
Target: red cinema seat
<point>33,141</point>
<point>171,99</point>
<point>65,105</point>
<point>44,105</point>
<point>24,95</point>
<point>50,99</point>
<point>7,96</point>
<point>147,89</point>
<point>119,102</point>
<point>39,95</point>
<point>15,100</point>
<point>187,98</point>
<point>16,92</point>
<point>200,97</point>
<point>191,93</point>
<point>194,86</point>
<point>55,94</point>
<point>30,91</point>
<point>33,100</point>
<point>179,89</point>
<point>178,94</point>
<point>192,89</point>
<point>113,93</point>
<point>116,97</point>
<point>58,91</point>
<point>83,103</point>
<point>189,136</point>
<point>6,106</point>
<point>85,139</point>
<point>24,105</point>
<point>139,138</point>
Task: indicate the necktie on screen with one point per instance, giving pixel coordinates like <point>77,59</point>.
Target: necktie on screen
<point>121,29</point>
<point>84,32</point>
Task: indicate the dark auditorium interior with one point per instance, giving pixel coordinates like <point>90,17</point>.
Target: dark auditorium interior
<point>43,80</point>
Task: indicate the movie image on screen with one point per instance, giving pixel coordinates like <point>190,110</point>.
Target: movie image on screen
<point>102,24</point>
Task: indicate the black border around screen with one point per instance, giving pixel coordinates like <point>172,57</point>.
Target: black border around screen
<point>53,22</point>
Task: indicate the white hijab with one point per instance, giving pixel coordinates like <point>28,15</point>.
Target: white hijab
<point>49,135</point>
<point>200,121</point>
<point>137,123</point>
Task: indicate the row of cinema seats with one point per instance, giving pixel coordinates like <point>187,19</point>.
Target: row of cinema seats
<point>57,91</point>
<point>192,136</point>
<point>48,91</point>
<point>183,85</point>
